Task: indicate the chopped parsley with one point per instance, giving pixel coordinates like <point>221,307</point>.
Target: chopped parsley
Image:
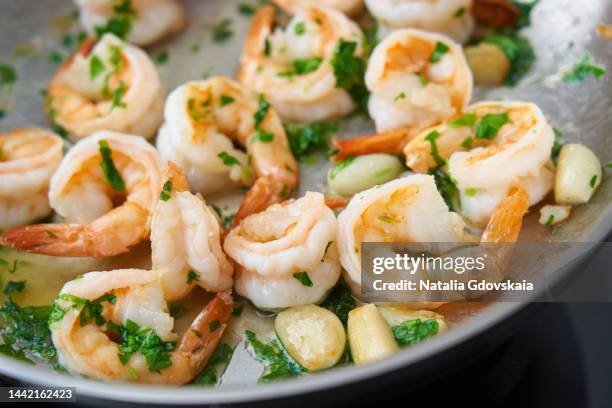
<point>447,188</point>
<point>307,139</point>
<point>349,71</point>
<point>550,220</point>
<point>490,124</point>
<point>96,67</point>
<point>192,277</point>
<point>274,356</point>
<point>121,23</point>
<point>557,145</point>
<point>340,301</point>
<point>439,52</point>
<point>51,234</point>
<point>13,287</point>
<point>525,8</point>
<point>246,9</point>
<point>467,142</point>
<point>460,12</point>
<point>111,174</point>
<point>145,341</point>
<point>228,159</point>
<point>338,167</point>
<point>165,194</point>
<point>431,138</point>
<point>162,58</point>
<point>263,136</point>
<point>423,79</point>
<point>415,331</point>
<point>89,310</point>
<point>56,57</point>
<point>214,325</point>
<point>471,192</point>
<point>210,374</point>
<point>25,330</point>
<point>582,70</point>
<point>401,95</point>
<point>117,96</point>
<point>8,75</point>
<point>386,219</point>
<point>518,50</point>
<point>303,278</point>
<point>302,66</point>
<point>466,120</point>
<point>593,181</point>
<point>299,28</point>
<point>195,48</point>
<point>262,111</point>
<point>226,100</point>
<point>237,311</point>
<point>222,31</point>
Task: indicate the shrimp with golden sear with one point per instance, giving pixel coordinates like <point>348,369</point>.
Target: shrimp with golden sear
<point>294,67</point>
<point>115,325</point>
<point>107,85</point>
<point>105,189</point>
<point>203,119</point>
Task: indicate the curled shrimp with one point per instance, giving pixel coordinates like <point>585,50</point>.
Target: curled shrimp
<point>286,255</point>
<point>483,166</point>
<point>147,21</point>
<point>28,158</point>
<point>134,315</point>
<point>293,67</point>
<point>349,7</point>
<point>185,240</point>
<point>450,17</point>
<point>416,79</point>
<point>409,209</point>
<point>106,211</point>
<point>204,118</point>
<point>107,85</point>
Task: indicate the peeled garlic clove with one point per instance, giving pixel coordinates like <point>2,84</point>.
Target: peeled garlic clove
<point>578,175</point>
<point>370,337</point>
<point>554,214</point>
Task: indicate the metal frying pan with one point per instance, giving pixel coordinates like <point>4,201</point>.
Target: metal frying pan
<point>562,32</point>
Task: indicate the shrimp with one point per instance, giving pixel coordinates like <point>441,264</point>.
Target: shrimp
<point>28,158</point>
<point>144,21</point>
<point>410,92</point>
<point>521,147</point>
<point>203,118</point>
<point>293,67</point>
<point>105,188</point>
<point>106,85</point>
<point>286,254</point>
<point>409,209</point>
<point>450,17</point>
<point>115,326</point>
<point>349,7</point>
<point>185,241</point>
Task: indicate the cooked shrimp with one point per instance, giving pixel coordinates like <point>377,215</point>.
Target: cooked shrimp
<point>28,158</point>
<point>409,91</point>
<point>417,78</point>
<point>349,7</point>
<point>185,241</point>
<point>409,209</point>
<point>485,165</point>
<point>450,17</point>
<point>145,21</point>
<point>285,253</point>
<point>132,299</point>
<point>105,189</point>
<point>293,68</point>
<point>106,85</point>
<point>203,118</point>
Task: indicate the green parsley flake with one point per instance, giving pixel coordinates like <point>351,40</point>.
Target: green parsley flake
<point>583,70</point>
<point>237,311</point>
<point>13,287</point>
<point>439,52</point>
<point>550,220</point>
<point>423,79</point>
<point>228,159</point>
<point>303,278</point>
<point>262,111</point>
<point>210,374</point>
<point>431,138</point>
<point>349,71</point>
<point>593,181</point>
<point>96,67</point>
<point>386,219</point>
<point>226,100</point>
<point>214,325</point>
<point>162,58</point>
<point>165,194</point>
<point>117,96</point>
<point>222,31</point>
<point>192,277</point>
<point>471,192</point>
<point>299,28</point>
<point>401,95</point>
<point>263,136</point>
<point>466,120</point>
<point>308,139</point>
<point>51,234</point>
<point>111,174</point>
<point>146,342</point>
<point>302,67</point>
<point>415,331</point>
<point>467,143</point>
<point>274,356</point>
<point>460,12</point>
<point>490,124</point>
<point>121,23</point>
